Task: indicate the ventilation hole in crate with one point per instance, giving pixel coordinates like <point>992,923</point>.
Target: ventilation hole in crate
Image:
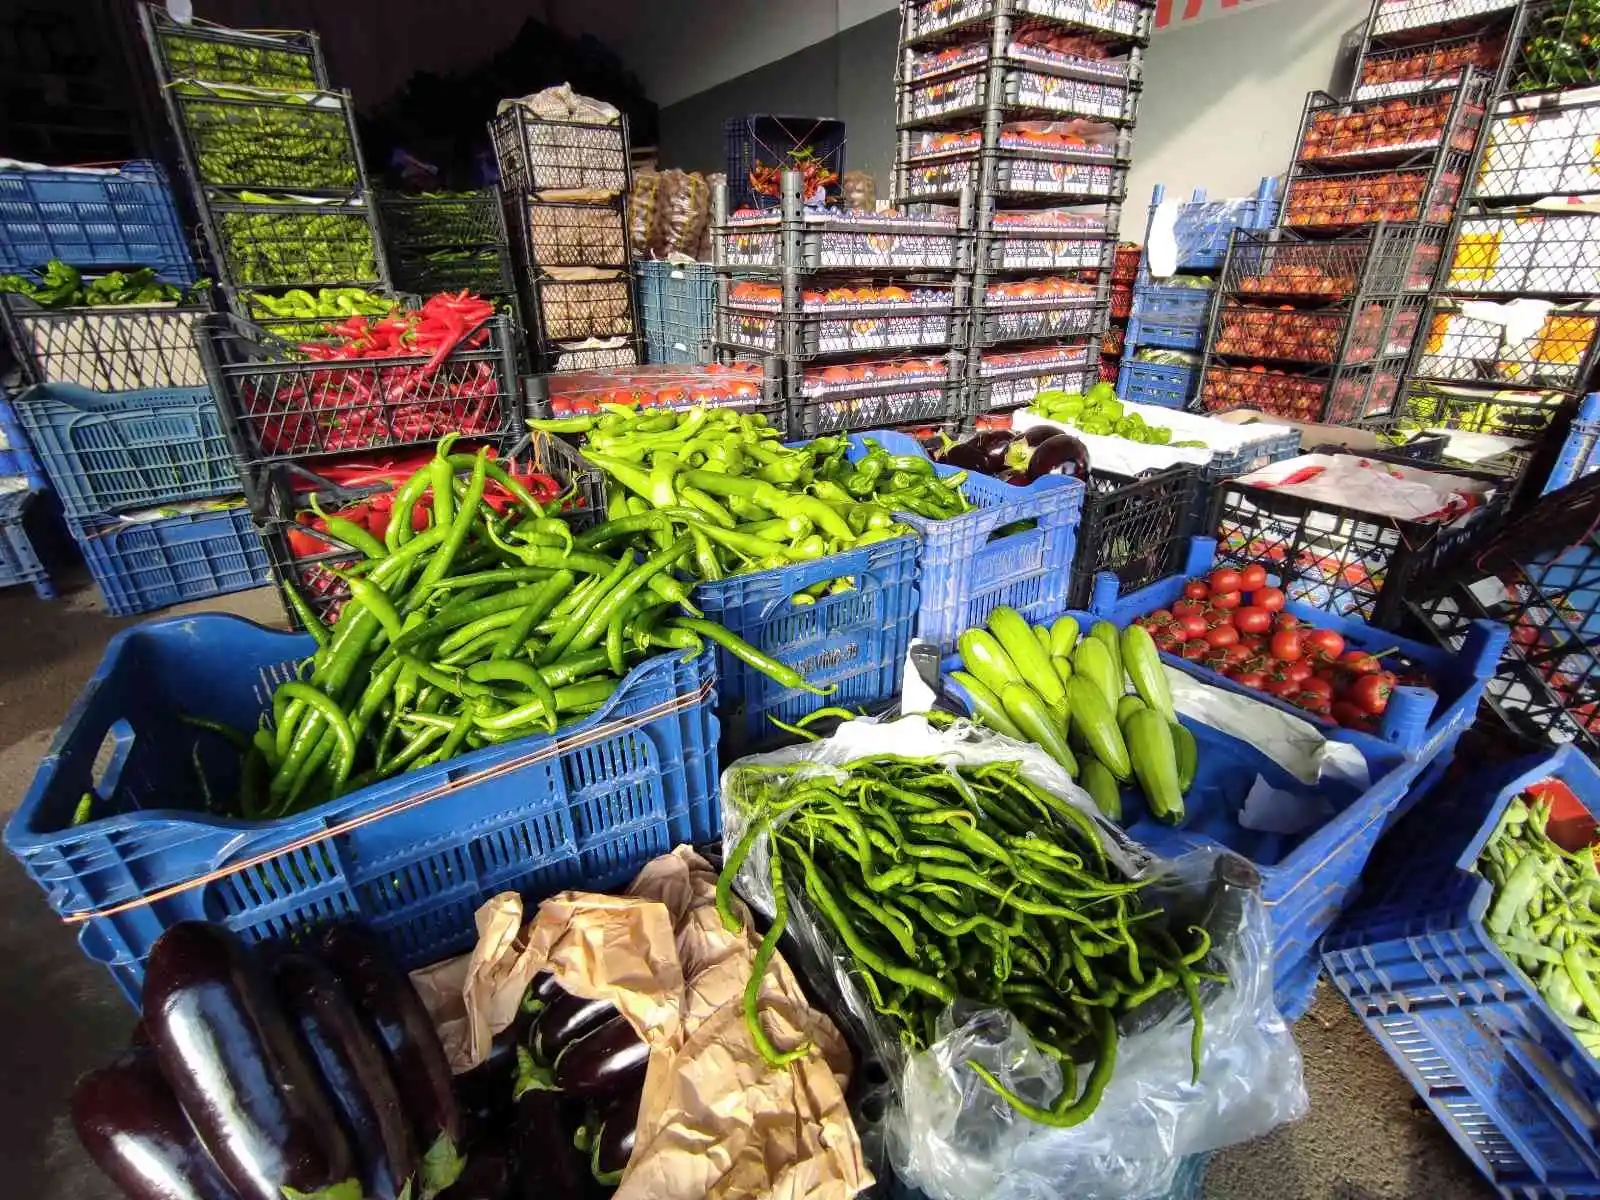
<point>527,841</point>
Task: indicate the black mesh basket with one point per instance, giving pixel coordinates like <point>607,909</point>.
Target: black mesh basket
<point>570,310</point>
<point>536,154</point>
<point>1555,46</point>
<point>1540,146</point>
<point>112,349</point>
<point>304,144</point>
<point>442,220</point>
<point>1459,348</point>
<point>198,50</point>
<point>1133,527</point>
<point>294,245</point>
<point>559,234</point>
<point>1503,254</point>
<point>279,406</point>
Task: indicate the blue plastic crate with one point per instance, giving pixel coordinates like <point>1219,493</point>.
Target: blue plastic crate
<point>963,575</point>
<point>649,282</point>
<point>111,452</point>
<point>1154,383</point>
<point>1203,226</point>
<point>584,808</point>
<point>855,641</point>
<point>1421,723</point>
<point>1578,454</point>
<point>1307,879</point>
<point>143,565</point>
<point>677,303</point>
<point>17,458</point>
<point>1164,335</point>
<point>1513,1086</point>
<point>1172,305</point>
<point>118,218</point>
<point>19,559</point>
<point>1252,456</point>
<point>1294,989</point>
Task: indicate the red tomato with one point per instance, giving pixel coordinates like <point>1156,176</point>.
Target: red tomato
<point>1371,693</point>
<point>1310,701</point>
<point>1252,619</point>
<point>1196,589</point>
<point>1224,579</point>
<point>1229,600</point>
<point>1348,715</point>
<point>1217,616</point>
<point>1194,650</point>
<point>1280,685</point>
<point>1314,686</point>
<point>1286,645</point>
<point>1360,662</point>
<point>1158,618</point>
<point>1184,607</point>
<point>1285,620</point>
<point>1300,671</point>
<point>1240,653</point>
<point>1216,661</point>
<point>1324,643</point>
<point>1252,577</point>
<point>1166,641</point>
<point>1222,636</point>
<point>1191,625</point>
<point>1250,679</point>
<point>1269,598</point>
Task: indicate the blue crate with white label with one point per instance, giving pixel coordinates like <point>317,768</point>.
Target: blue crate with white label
<point>1508,1079</point>
<point>412,856</point>
<point>143,562</point>
<point>1203,227</point>
<point>87,217</point>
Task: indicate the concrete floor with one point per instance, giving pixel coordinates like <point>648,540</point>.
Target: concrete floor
<point>1367,1136</point>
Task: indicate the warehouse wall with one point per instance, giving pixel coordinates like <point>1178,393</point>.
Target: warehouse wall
<point>1220,111</point>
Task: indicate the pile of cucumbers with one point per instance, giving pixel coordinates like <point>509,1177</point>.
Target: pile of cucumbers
<point>1069,694</point>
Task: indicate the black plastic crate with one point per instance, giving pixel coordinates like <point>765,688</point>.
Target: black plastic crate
<point>1334,201</point>
<point>537,154</point>
<point>1522,416</point>
<point>1128,21</point>
<point>111,349</point>
<point>1340,395</point>
<point>1349,562</point>
<point>1433,64</point>
<point>596,355</point>
<point>442,220</point>
<point>1133,527</point>
<point>200,50</point>
<point>296,245</point>
<point>574,310</point>
<point>1555,46</point>
<point>767,144</point>
<point>305,144</point>
<point>1393,131</point>
<point>562,234</point>
<point>482,270</point>
<point>1371,331</point>
<point>1281,266</point>
<point>1538,146</point>
<point>1406,22</point>
<point>1458,348</point>
<point>278,406</point>
<point>1502,254</point>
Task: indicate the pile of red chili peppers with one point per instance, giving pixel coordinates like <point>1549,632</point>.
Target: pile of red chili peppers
<point>359,400</point>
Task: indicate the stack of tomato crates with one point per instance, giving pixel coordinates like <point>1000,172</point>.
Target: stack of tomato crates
<point>1124,270</point>
<point>1524,243</point>
<point>565,177</point>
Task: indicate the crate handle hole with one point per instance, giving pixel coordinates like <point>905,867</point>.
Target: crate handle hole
<point>110,757</point>
<point>1015,529</point>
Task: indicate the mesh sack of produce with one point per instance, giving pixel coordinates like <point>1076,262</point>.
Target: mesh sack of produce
<point>642,204</point>
<point>999,1084</point>
<point>683,212</point>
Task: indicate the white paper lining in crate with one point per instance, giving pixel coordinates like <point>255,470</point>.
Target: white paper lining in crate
<point>1118,455</point>
<point>114,349</point>
<point>1552,247</point>
<point>1381,489</point>
<point>1397,15</point>
<point>1540,148</point>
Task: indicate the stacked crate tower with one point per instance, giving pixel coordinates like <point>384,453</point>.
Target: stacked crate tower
<point>1171,314</point>
<point>1316,319</point>
<point>1113,343</point>
<point>119,416</point>
<point>565,185</point>
<point>856,315</point>
<point>1030,105</point>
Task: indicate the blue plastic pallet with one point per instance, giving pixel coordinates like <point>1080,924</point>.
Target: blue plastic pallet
<point>855,641</point>
<point>1420,723</point>
<point>1305,879</point>
<point>145,565</point>
<point>19,559</point>
<point>586,807</point>
<point>1154,383</point>
<point>1203,227</point>
<point>963,575</point>
<point>115,218</point>
<point>112,452</point>
<point>1513,1086</point>
<point>1579,455</point>
<point>1294,989</point>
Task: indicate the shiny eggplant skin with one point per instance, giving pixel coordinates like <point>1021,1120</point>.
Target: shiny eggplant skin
<point>354,1073</point>
<point>487,1177</point>
<point>484,1093</point>
<point>548,1165</point>
<point>129,1121</point>
<point>237,1069</point>
<point>604,1062</point>
<point>383,993</point>
<point>614,1144</point>
<point>566,1019</point>
<point>1058,454</point>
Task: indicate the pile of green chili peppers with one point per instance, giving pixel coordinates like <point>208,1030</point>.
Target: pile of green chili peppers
<point>475,630</point>
<point>941,883</point>
<point>1545,914</point>
<point>242,139</point>
<point>725,480</point>
<point>294,243</point>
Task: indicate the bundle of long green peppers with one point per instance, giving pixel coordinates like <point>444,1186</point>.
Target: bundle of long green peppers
<point>475,630</point>
<point>745,500</point>
<point>942,882</point>
<point>1545,914</point>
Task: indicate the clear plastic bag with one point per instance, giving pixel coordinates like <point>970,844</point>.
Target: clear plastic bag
<point>944,1131</point>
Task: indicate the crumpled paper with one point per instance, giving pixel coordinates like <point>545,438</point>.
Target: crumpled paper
<point>715,1120</point>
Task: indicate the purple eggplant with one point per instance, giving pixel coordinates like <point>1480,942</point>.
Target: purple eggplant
<point>383,993</point>
<point>984,452</point>
<point>129,1121</point>
<point>566,1019</point>
<point>238,1070</point>
<point>487,1177</point>
<point>548,1164</point>
<point>604,1062</point>
<point>1044,451</point>
<point>354,1071</point>
<point>612,1146</point>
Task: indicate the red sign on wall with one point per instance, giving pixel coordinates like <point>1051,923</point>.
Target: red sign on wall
<point>1170,13</point>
